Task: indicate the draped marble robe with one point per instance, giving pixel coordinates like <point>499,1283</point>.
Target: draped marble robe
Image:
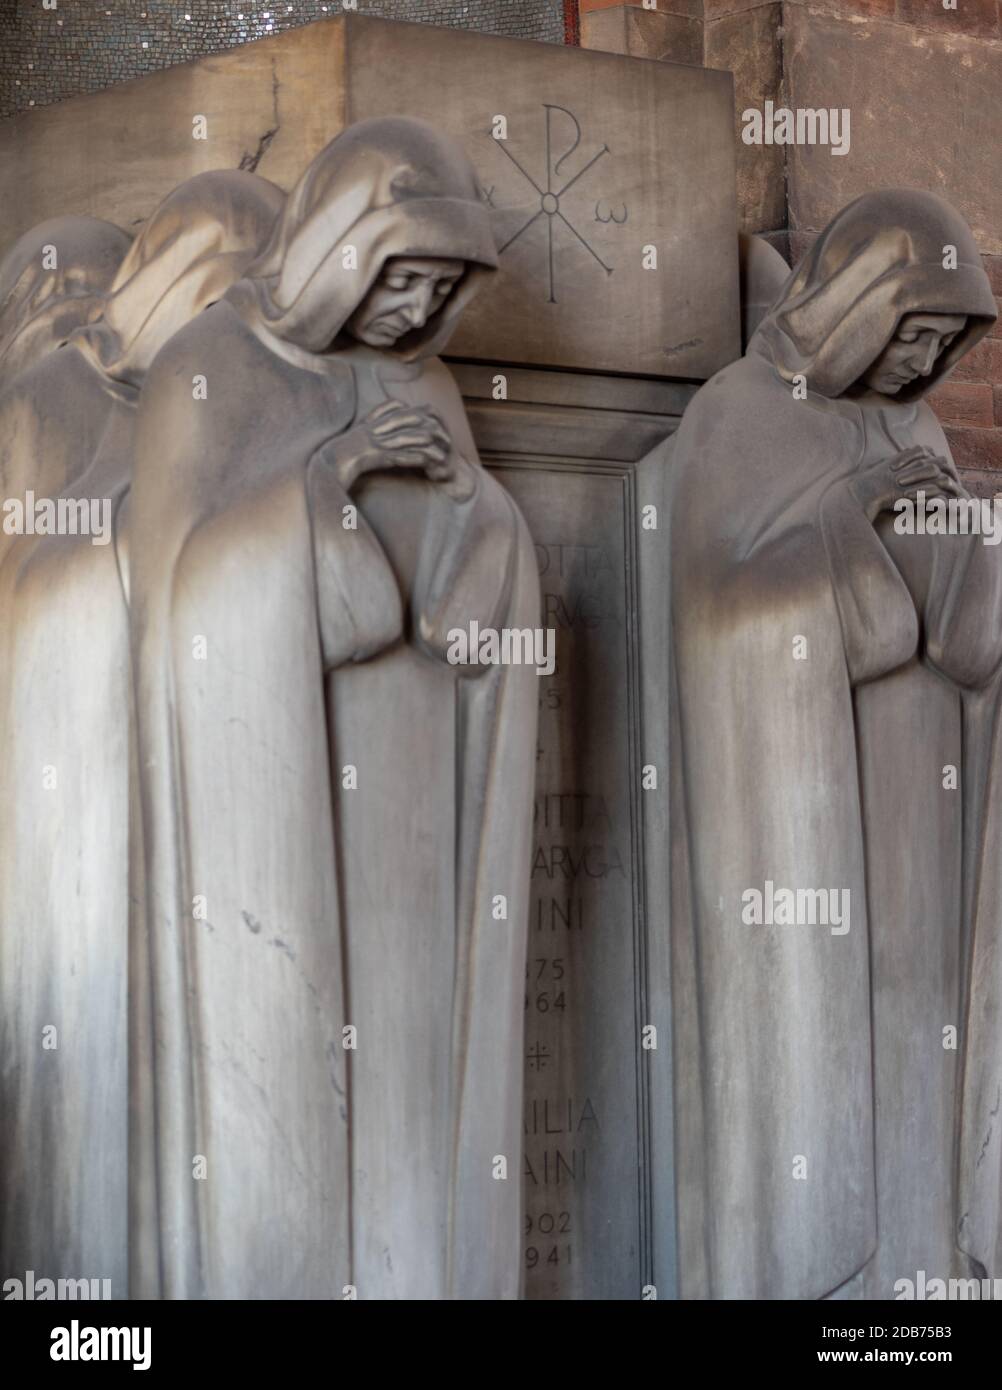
<point>814,1154</point>
<point>980,1148</point>
<point>41,303</point>
<point>65,692</point>
<point>279,649</point>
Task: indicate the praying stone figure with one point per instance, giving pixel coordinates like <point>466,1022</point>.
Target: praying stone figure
<point>53,280</point>
<point>66,430</point>
<point>835,645</point>
<point>327,1069</point>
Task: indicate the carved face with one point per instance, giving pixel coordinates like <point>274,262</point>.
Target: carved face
<point>913,350</point>
<point>409,291</point>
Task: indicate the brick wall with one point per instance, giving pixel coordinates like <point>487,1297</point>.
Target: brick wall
<point>85,45</point>
<point>924,88</point>
<point>970,403</point>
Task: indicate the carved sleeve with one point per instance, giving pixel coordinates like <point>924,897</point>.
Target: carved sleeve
<point>963,617</point>
<point>467,556</point>
<point>879,622</point>
<point>359,609</point>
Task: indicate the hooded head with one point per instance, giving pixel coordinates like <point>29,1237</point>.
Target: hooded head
<point>876,281</point>
<point>388,190</point>
<point>52,281</point>
<point>195,245</point>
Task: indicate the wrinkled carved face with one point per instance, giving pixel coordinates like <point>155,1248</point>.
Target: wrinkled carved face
<point>913,351</point>
<point>409,291</point>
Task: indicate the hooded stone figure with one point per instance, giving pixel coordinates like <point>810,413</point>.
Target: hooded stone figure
<point>66,428</point>
<point>53,280</point>
<point>827,807</point>
<point>336,819</point>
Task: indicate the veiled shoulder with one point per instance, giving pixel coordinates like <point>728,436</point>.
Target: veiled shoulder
<point>209,344</point>
<point>745,430</point>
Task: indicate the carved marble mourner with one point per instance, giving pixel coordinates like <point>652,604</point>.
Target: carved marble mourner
<point>265,849</point>
<point>835,684</point>
<point>336,820</point>
<point>53,280</point>
<point>66,434</point>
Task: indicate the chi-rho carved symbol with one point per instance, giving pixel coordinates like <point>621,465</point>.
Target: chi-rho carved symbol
<point>557,151</point>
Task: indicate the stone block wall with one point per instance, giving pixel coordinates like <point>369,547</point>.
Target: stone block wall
<point>923,84</point>
<point>77,46</point>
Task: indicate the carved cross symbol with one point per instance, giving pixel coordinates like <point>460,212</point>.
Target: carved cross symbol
<point>550,196</point>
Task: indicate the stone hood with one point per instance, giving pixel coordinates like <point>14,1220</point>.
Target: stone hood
<point>388,187</point>
<point>196,244</point>
<point>879,259</point>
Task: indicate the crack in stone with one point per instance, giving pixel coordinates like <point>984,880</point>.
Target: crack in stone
<point>991,1127</point>
<point>984,1148</point>
<point>248,161</point>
